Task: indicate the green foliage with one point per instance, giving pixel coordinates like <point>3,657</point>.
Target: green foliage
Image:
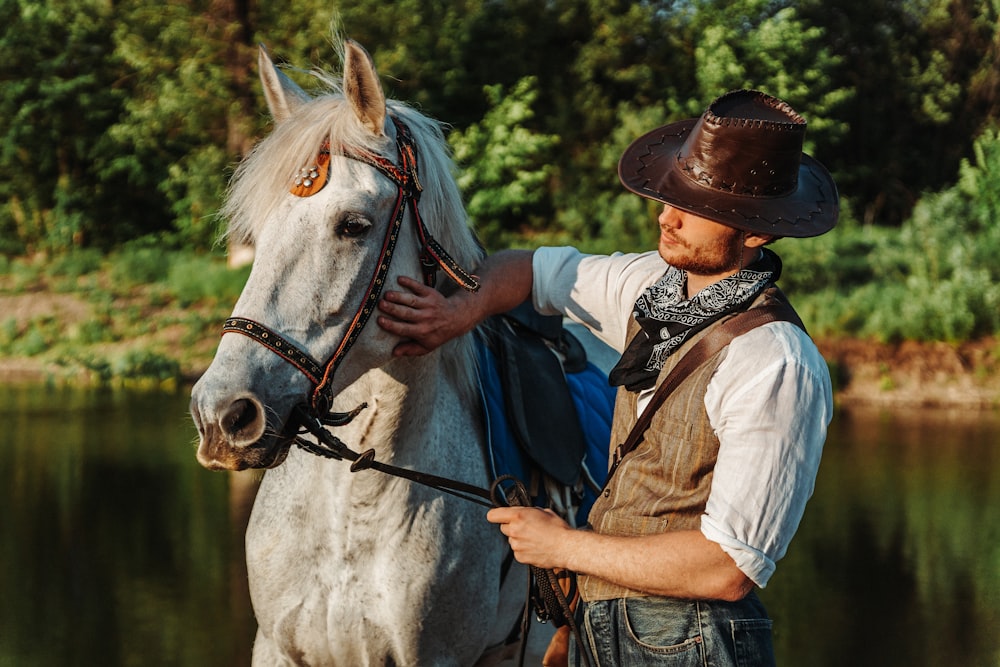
<point>843,259</point>
<point>503,164</point>
<point>194,278</point>
<point>924,83</point>
<point>91,332</point>
<point>629,53</point>
<point>763,45</point>
<point>610,218</point>
<point>20,274</point>
<point>934,279</point>
<point>59,96</point>
<point>132,368</point>
<point>75,263</point>
<point>142,364</point>
<point>140,315</point>
<point>120,122</point>
<point>189,115</point>
<point>109,110</point>
<point>116,123</point>
<point>139,264</point>
<point>31,339</point>
<point>979,184</point>
<point>175,275</point>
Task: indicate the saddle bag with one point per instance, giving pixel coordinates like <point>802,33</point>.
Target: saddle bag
<point>539,407</point>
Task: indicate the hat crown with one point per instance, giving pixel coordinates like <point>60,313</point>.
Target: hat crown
<point>747,143</point>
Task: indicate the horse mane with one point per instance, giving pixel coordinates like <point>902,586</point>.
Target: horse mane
<point>261,182</point>
<point>263,179</point>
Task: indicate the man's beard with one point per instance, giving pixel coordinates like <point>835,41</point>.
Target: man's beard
<point>723,256</point>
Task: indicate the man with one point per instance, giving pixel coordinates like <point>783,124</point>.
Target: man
<point>697,515</point>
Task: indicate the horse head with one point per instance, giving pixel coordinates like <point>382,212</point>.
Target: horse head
<point>327,200</point>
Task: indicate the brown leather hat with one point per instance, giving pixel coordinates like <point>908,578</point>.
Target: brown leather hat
<point>740,164</point>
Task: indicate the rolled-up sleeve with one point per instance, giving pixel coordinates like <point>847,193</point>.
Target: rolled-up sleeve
<point>770,404</point>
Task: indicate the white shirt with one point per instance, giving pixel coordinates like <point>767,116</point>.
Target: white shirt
<point>769,402</point>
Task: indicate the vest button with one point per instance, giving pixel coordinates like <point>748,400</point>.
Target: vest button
<point>607,493</point>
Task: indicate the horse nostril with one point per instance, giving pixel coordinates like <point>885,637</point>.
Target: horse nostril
<point>242,420</point>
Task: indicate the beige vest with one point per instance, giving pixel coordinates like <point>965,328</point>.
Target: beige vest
<point>663,484</point>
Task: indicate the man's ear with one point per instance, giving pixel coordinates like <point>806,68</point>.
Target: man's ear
<point>755,240</point>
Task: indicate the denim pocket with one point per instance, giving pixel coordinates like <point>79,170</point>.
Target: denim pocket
<point>659,632</point>
<point>752,642</point>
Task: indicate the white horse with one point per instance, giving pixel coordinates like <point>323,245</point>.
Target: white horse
<point>352,568</point>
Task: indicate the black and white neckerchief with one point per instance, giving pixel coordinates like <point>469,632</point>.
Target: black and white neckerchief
<point>668,318</point>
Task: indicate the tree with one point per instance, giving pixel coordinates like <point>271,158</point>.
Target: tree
<point>925,77</point>
<point>123,119</point>
<point>767,46</point>
<point>191,112</point>
<point>501,169</point>
<point>62,89</point>
<point>653,63</point>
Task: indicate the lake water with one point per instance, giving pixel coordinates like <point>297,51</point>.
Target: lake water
<point>116,548</point>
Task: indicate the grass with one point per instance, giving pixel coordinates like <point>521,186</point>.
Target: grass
<point>144,314</point>
<point>140,316</point>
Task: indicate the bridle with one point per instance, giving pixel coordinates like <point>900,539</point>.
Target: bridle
<point>315,414</point>
<point>432,257</point>
<point>312,415</point>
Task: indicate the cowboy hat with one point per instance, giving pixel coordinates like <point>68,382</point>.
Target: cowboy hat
<point>740,164</point>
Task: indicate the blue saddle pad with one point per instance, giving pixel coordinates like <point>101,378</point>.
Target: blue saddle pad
<point>594,400</point>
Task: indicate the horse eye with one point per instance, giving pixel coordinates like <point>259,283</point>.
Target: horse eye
<point>353,227</point>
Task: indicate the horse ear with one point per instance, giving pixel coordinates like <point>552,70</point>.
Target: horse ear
<point>283,95</point>
<point>362,87</point>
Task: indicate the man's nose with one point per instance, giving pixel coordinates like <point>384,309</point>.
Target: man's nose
<point>669,217</point>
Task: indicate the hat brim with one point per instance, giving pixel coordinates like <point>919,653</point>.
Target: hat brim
<point>650,167</point>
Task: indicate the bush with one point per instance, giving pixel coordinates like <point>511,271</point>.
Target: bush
<point>21,274</point>
<point>139,264</point>
<point>846,258</point>
<point>936,278</point>
<point>194,278</point>
<point>75,263</point>
<point>31,340</point>
<point>91,331</point>
<point>145,365</point>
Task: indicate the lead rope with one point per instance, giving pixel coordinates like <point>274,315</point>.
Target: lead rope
<point>331,447</point>
<point>553,599</point>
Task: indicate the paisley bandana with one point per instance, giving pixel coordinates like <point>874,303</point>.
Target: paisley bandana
<point>668,318</point>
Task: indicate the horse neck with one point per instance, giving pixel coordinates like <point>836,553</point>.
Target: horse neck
<point>416,418</point>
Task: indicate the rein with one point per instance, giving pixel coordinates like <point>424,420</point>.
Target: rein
<point>331,447</point>
<point>432,257</point>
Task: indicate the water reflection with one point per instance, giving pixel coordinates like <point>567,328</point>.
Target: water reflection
<point>898,558</point>
<point>116,548</point>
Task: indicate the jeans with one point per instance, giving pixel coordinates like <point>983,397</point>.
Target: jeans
<point>664,631</point>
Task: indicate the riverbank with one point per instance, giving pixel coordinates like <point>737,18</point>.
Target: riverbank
<point>868,373</point>
<point>915,375</point>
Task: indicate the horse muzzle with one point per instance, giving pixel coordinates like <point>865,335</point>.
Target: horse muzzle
<point>235,435</point>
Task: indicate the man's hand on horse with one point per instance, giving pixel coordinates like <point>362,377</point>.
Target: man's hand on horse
<point>424,317</point>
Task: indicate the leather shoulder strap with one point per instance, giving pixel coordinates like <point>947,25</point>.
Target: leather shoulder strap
<point>700,352</point>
